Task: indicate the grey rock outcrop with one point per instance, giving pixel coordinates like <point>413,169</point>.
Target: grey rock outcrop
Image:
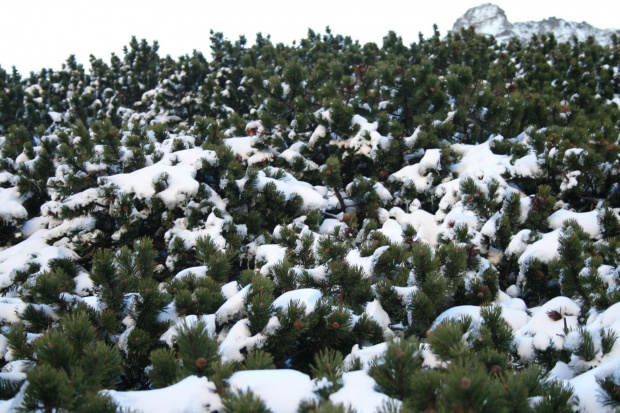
<point>491,20</point>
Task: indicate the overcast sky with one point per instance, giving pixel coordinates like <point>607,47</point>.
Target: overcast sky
<point>43,33</point>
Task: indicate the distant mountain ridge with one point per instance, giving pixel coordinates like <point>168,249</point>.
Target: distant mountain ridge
<point>490,19</point>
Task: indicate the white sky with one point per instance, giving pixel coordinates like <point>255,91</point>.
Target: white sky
<point>43,33</point>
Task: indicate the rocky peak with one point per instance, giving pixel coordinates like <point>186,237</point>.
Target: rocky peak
<point>487,19</point>
<point>491,20</point>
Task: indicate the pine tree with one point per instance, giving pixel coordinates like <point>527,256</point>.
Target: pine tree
<point>166,370</point>
<point>396,370</point>
<point>332,177</point>
<point>245,402</point>
<point>62,133</point>
<point>48,390</point>
<point>609,391</point>
<point>572,246</point>
<point>258,303</point>
<point>327,365</point>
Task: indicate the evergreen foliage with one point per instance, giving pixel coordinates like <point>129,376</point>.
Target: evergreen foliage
<point>300,200</point>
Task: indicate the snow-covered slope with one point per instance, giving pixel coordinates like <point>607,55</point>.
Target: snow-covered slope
<point>491,20</point>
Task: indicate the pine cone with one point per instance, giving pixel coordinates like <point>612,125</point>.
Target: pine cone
<point>201,363</point>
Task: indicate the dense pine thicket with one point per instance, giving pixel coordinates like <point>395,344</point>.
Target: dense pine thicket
<point>345,118</point>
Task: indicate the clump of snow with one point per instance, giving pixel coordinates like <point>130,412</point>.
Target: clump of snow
<point>260,158</point>
<point>238,339</point>
<point>328,225</point>
<point>32,250</point>
<point>515,317</point>
<point>318,273</point>
<point>375,311</point>
<point>405,293</point>
<point>233,307</point>
<point>513,291</point>
<point>293,152</point>
<point>79,200</point>
<point>306,296</point>
<point>518,243</point>
<point>230,289</point>
<point>56,116</point>
<point>368,141</point>
<point>430,161</point>
<point>561,371</point>
<point>198,272</point>
<point>570,180</point>
<point>270,255</point>
<point>490,227</point>
<point>527,166</point>
<point>83,284</point>
<point>423,222</point>
<point>213,228</point>
<point>319,132</point>
<point>10,309</point>
<point>180,167</point>
<point>384,195</point>
<point>354,259</point>
<point>169,314</point>
<point>189,321</point>
<point>480,161</point>
<point>457,313</point>
<point>198,395</point>
<point>289,186</point>
<point>587,220</point>
<point>542,320</point>
<point>392,230</point>
<point>541,341</point>
<point>243,146</point>
<point>610,318</point>
<point>12,207</point>
<point>365,355</point>
<point>280,390</point>
<point>587,389</point>
<point>457,216</point>
<point>254,127</point>
<point>412,174</point>
<point>545,249</point>
<point>358,393</point>
<point>573,152</point>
